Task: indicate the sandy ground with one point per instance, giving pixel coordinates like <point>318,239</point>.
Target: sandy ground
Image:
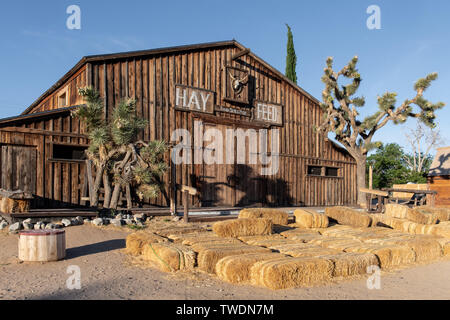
<point>108,273</point>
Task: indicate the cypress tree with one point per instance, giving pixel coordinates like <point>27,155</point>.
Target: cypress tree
<point>291,57</point>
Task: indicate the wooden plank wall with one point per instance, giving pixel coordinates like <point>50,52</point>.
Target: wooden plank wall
<point>151,81</point>
<point>441,184</point>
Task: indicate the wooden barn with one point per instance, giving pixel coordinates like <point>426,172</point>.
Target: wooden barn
<point>439,177</point>
<point>42,150</point>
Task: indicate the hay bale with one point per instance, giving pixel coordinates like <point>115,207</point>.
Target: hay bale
<point>310,219</point>
<point>274,236</point>
<point>179,238</point>
<point>351,264</point>
<point>398,211</point>
<point>442,230</point>
<point>441,214</point>
<point>236,268</point>
<point>135,242</point>
<point>291,272</point>
<point>170,257</point>
<point>275,215</point>
<point>301,235</point>
<point>388,255</point>
<point>348,216</point>
<point>179,230</point>
<point>445,245</point>
<point>272,242</point>
<point>208,257</point>
<point>421,216</point>
<point>243,227</point>
<point>304,250</point>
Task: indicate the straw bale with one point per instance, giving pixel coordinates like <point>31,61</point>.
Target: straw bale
<point>291,272</point>
<point>351,264</point>
<point>174,230</point>
<point>445,245</point>
<point>236,268</point>
<point>304,250</point>
<point>398,211</point>
<point>441,214</point>
<point>275,215</point>
<point>135,242</point>
<point>348,216</point>
<point>442,229</point>
<point>272,242</point>
<point>274,236</point>
<point>424,249</point>
<point>310,219</point>
<point>301,235</point>
<point>208,257</point>
<point>170,257</point>
<point>388,255</point>
<point>421,216</point>
<point>191,235</point>
<point>243,227</point>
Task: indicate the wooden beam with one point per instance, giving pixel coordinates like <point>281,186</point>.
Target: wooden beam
<point>240,54</point>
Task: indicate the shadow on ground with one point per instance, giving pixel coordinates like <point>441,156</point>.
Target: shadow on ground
<point>94,248</point>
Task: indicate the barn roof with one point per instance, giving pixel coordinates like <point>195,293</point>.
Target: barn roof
<point>159,51</point>
<point>36,115</point>
<point>441,163</point>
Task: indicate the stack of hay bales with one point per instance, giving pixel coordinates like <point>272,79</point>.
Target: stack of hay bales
<point>310,219</point>
<point>243,227</point>
<point>271,242</point>
<point>442,214</point>
<point>398,211</point>
<point>179,230</point>
<point>421,216</point>
<point>170,257</point>
<point>135,242</point>
<point>291,272</point>
<point>336,243</point>
<point>275,215</point>
<point>442,229</point>
<point>425,249</point>
<point>236,269</point>
<point>348,216</point>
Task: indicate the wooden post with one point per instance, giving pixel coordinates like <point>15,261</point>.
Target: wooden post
<point>370,176</point>
<point>186,206</point>
<point>90,180</point>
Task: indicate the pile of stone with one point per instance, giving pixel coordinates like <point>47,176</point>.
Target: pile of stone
<point>33,224</point>
<point>122,219</point>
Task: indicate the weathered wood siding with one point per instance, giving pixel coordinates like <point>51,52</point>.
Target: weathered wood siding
<point>441,184</point>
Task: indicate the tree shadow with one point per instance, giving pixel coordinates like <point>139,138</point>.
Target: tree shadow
<point>94,248</point>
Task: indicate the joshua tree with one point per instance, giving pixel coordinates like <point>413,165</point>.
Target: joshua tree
<point>122,161</point>
<point>340,106</point>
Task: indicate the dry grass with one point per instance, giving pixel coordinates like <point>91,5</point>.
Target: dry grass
<point>421,216</point>
<point>170,257</point>
<point>275,215</point>
<point>291,272</point>
<point>349,216</point>
<point>209,256</point>
<point>351,264</point>
<point>310,219</point>
<point>135,242</point>
<point>243,227</point>
<point>236,269</point>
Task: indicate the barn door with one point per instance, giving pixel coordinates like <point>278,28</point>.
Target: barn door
<point>18,168</point>
<point>213,180</point>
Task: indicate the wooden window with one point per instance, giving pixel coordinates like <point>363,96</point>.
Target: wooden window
<point>62,99</point>
<point>67,152</point>
<point>331,172</point>
<point>315,170</point>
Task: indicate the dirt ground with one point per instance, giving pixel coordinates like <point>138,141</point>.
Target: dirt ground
<point>108,273</point>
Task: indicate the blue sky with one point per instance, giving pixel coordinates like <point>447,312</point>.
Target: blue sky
<point>37,48</point>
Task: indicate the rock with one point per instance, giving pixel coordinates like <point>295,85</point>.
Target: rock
<point>59,226</point>
<point>50,226</point>
<point>119,216</point>
<point>149,219</point>
<point>27,225</point>
<point>140,224</point>
<point>175,219</point>
<point>79,220</point>
<point>87,221</point>
<point>15,227</point>
<point>106,221</point>
<point>129,222</point>
<point>117,222</point>
<point>66,222</point>
<point>39,225</point>
<point>27,220</point>
<point>97,222</point>
<point>139,216</point>
<point>3,225</point>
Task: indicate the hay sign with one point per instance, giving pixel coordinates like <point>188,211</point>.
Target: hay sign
<point>194,99</point>
<point>268,112</point>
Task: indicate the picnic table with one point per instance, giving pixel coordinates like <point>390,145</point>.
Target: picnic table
<point>385,196</point>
